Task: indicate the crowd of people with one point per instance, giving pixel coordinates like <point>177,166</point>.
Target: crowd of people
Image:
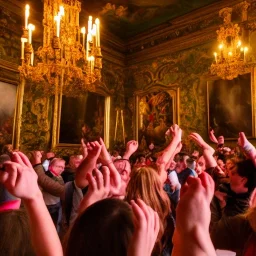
<point>180,203</point>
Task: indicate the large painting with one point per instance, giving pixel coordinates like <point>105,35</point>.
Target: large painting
<point>82,117</point>
<point>230,106</point>
<point>156,111</point>
<point>7,111</point>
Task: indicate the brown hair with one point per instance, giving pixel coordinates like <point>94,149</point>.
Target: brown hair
<point>104,228</point>
<point>145,184</point>
<point>15,234</point>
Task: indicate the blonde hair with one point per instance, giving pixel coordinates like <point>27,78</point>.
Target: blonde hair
<point>145,184</point>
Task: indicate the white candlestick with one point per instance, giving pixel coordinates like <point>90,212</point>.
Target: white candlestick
<point>61,12</point>
<point>31,28</point>
<point>97,21</point>
<point>23,41</point>
<point>57,20</point>
<point>26,15</point>
<point>83,31</point>
<point>32,58</point>
<point>90,24</point>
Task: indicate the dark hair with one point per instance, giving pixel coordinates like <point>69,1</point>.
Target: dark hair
<point>247,169</point>
<point>104,228</point>
<point>15,234</point>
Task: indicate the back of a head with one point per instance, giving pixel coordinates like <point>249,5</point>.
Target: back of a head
<point>15,234</point>
<point>145,184</point>
<point>247,169</point>
<point>105,228</point>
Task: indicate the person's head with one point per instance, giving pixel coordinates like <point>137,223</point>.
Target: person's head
<point>221,140</point>
<point>57,165</point>
<point>230,163</point>
<point>7,149</point>
<point>181,162</point>
<point>221,163</point>
<point>123,166</point>
<point>75,161</point>
<point>146,185</point>
<point>104,228</point>
<point>242,177</point>
<point>200,165</point>
<point>142,159</point>
<point>14,227</point>
<point>191,163</point>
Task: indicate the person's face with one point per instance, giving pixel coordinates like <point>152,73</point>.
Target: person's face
<point>124,169</point>
<point>221,140</point>
<point>172,165</point>
<point>75,162</point>
<point>237,182</point>
<point>200,165</point>
<point>221,164</point>
<point>58,167</point>
<point>142,159</point>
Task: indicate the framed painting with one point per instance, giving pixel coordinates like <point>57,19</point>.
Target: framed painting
<point>231,106</point>
<point>84,117</point>
<point>8,95</point>
<point>156,111</point>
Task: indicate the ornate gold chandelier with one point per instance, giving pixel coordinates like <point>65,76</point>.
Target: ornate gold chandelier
<point>70,60</point>
<point>232,58</point>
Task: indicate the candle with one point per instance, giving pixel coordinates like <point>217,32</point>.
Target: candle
<point>92,63</point>
<point>90,24</point>
<point>245,51</point>
<point>57,19</point>
<point>31,28</point>
<point>61,12</point>
<point>215,55</point>
<point>23,41</point>
<point>97,21</point>
<point>83,31</point>
<point>32,58</point>
<point>26,15</point>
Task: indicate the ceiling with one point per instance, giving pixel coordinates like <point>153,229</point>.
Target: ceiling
<point>127,18</point>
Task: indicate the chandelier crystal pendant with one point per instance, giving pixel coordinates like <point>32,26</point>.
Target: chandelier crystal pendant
<point>70,58</point>
<point>232,57</point>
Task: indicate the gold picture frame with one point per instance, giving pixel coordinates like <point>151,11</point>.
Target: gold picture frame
<point>57,141</point>
<point>161,96</point>
<point>10,76</point>
<point>231,106</point>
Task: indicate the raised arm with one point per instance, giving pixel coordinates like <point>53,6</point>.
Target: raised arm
<point>194,205</point>
<point>208,151</point>
<point>88,164</point>
<point>115,178</point>
<point>20,180</point>
<point>212,136</point>
<point>131,147</point>
<point>45,182</point>
<point>247,147</point>
<point>170,149</point>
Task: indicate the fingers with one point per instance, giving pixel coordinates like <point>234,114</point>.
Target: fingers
<point>92,181</point>
<point>17,158</point>
<point>99,179</point>
<point>208,184</point>
<point>12,172</point>
<point>106,176</point>
<point>25,159</point>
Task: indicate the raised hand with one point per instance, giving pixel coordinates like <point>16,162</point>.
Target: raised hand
<point>19,177</point>
<point>176,131</point>
<point>200,142</point>
<point>36,157</point>
<point>194,204</point>
<point>104,157</point>
<point>94,149</point>
<point>99,188</point>
<point>84,148</point>
<point>195,201</point>
<point>131,147</point>
<point>146,222</point>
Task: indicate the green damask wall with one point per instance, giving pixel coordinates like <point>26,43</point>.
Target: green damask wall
<point>189,71</point>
